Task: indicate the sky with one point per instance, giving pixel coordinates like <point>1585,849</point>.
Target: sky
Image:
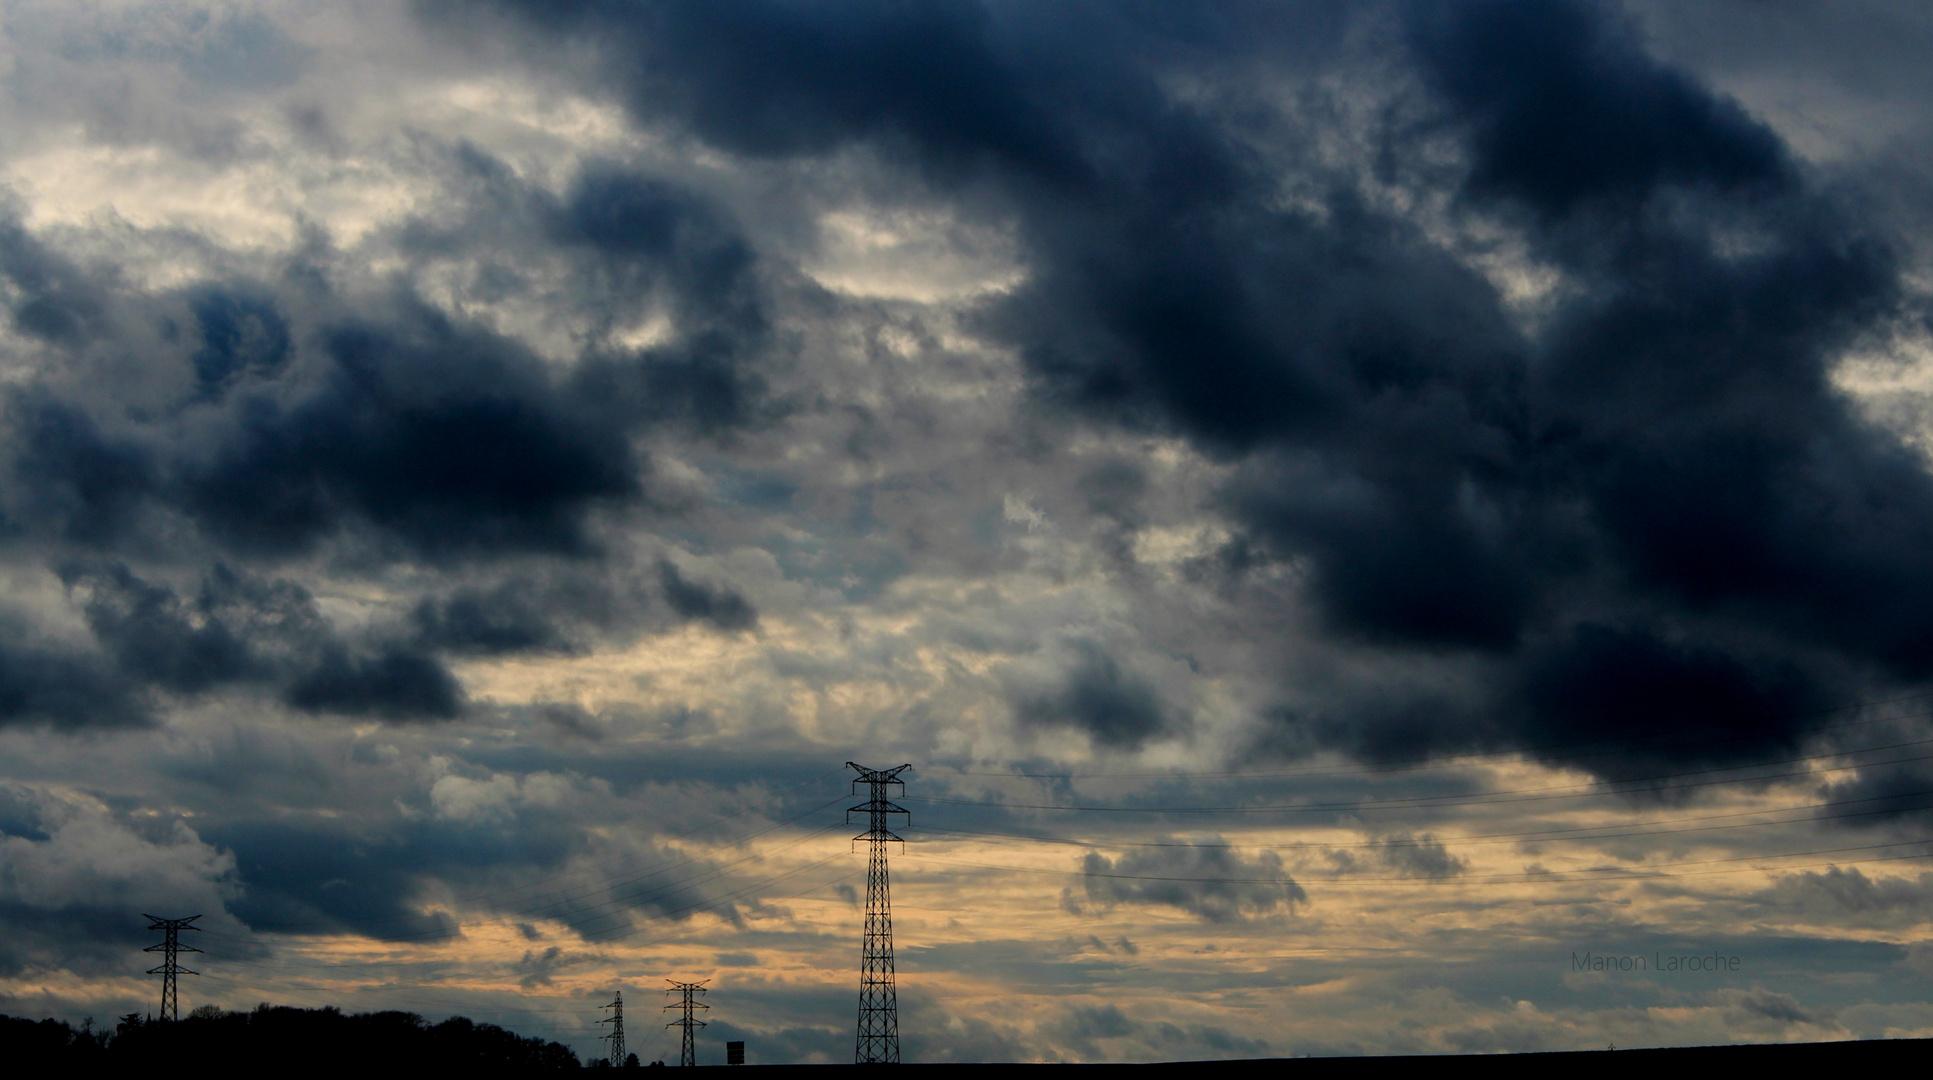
<point>1380,528</point>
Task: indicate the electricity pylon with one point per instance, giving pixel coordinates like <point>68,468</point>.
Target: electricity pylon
<point>878,995</point>
<point>687,1053</point>
<point>616,1037</point>
<point>169,948</point>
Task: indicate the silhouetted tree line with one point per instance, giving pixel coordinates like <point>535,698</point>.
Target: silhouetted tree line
<point>305,1038</point>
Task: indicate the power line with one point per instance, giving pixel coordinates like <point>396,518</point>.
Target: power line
<point>1673,735</point>
<point>390,993</point>
<point>626,900</point>
<point>645,944</point>
<point>1597,831</point>
<point>1538,794</point>
<point>669,913</point>
<point>779,797</point>
<point>1604,873</point>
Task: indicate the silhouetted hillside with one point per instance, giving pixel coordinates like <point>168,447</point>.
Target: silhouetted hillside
<point>277,1038</point>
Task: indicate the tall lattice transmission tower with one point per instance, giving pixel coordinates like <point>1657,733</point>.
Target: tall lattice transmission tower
<point>687,1052</point>
<point>878,995</point>
<point>616,1037</point>
<point>170,948</point>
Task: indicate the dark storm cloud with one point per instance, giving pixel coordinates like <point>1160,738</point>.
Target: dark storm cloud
<point>570,606</point>
<point>783,79</point>
<point>510,617</point>
<point>1653,510</point>
<point>1419,856</point>
<point>652,236</point>
<point>1212,883</point>
<point>447,437</point>
<point>317,881</point>
<point>304,417</point>
<point>1564,110</point>
<point>650,233</point>
<point>237,629</point>
<point>65,690</point>
<point>719,606</point>
<point>274,417</point>
<point>242,333</point>
<point>639,245</point>
<point>394,684</point>
<point>94,938</point>
<point>72,479</point>
<point>52,298</point>
<point>1835,893</point>
<point>1095,696</point>
<point>374,880</point>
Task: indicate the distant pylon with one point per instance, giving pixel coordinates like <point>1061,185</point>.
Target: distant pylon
<point>616,1020</point>
<point>169,948</point>
<point>687,1053</point>
<point>878,995</point>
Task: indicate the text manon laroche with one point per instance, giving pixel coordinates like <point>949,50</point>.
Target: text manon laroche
<point>1668,962</point>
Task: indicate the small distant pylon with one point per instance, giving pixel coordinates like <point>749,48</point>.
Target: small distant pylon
<point>687,1050</point>
<point>878,1042</point>
<point>616,1037</point>
<point>170,947</point>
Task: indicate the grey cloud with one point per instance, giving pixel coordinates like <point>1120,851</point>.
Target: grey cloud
<point>1078,1028</point>
<point>393,683</point>
<point>66,690</point>
<point>1096,696</point>
<point>237,629</point>
<point>1212,883</point>
<point>319,880</point>
<point>447,438</point>
<point>721,607</point>
<point>53,299</point>
<point>1216,1040</point>
<point>75,878</point>
<point>1419,856</point>
<point>537,969</point>
<point>242,51</point>
<point>185,647</point>
<point>303,415</point>
<point>1781,1010</point>
<point>510,617</point>
<point>1836,892</point>
<point>243,333</point>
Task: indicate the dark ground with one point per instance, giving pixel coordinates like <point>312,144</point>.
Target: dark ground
<point>1743,1062</point>
<point>285,1041</point>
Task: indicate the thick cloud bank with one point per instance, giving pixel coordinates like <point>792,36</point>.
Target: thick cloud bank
<point>472,470</point>
<point>1635,503</point>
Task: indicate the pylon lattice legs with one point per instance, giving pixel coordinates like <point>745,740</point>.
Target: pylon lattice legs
<point>878,1042</point>
<point>616,1037</point>
<point>170,948</point>
<point>878,991</point>
<point>687,1050</point>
